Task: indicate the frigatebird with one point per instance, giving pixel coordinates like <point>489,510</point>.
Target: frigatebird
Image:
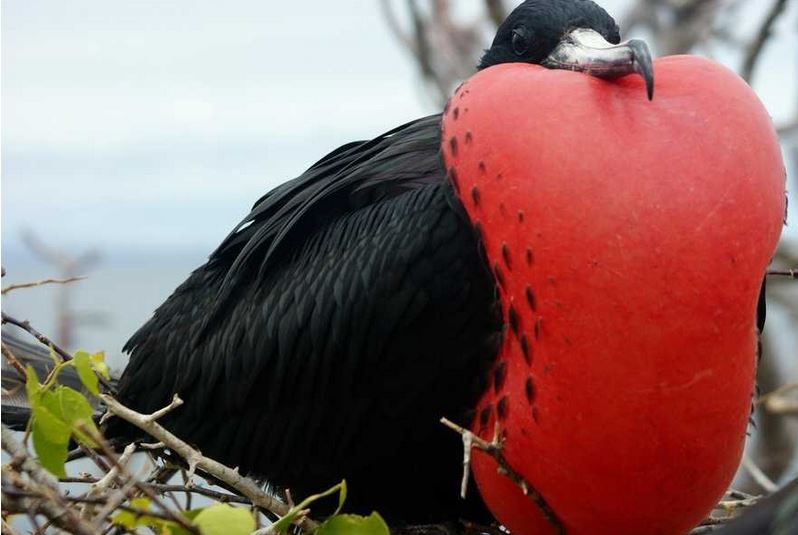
<point>352,308</point>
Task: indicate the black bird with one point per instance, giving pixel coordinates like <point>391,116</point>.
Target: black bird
<point>352,309</point>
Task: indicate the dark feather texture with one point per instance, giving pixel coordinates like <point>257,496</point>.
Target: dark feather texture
<point>331,330</point>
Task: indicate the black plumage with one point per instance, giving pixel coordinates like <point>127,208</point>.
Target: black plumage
<point>345,315</point>
<point>352,309</point>
<point>330,332</point>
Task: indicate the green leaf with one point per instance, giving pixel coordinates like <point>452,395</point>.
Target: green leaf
<point>173,528</point>
<point>282,525</point>
<point>130,520</point>
<point>78,412</point>
<point>55,356</point>
<point>99,365</point>
<point>83,365</point>
<point>341,497</point>
<point>52,452</point>
<point>354,525</point>
<point>223,519</point>
<point>192,514</point>
<point>47,419</point>
<point>72,409</point>
<point>32,385</point>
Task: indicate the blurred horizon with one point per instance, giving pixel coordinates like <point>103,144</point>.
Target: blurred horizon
<point>146,130</point>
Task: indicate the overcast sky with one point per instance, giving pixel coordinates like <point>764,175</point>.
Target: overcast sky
<point>139,125</point>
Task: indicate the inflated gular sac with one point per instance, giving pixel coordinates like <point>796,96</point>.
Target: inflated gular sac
<point>629,240</point>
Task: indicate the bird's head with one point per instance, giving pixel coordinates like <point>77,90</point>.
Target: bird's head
<point>575,35</point>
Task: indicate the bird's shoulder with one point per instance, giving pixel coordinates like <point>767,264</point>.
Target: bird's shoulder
<point>349,178</point>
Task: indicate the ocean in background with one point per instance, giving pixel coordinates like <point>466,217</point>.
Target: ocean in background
<point>118,295</point>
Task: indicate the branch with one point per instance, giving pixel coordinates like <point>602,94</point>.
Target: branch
<point>223,497</point>
<point>196,460</point>
<point>496,11</point>
<point>132,481</point>
<point>34,284</point>
<point>776,402</point>
<point>789,273</point>
<point>12,360</point>
<point>394,26</point>
<point>51,505</point>
<point>109,478</point>
<point>26,326</point>
<point>759,476</point>
<point>756,47</point>
<point>494,449</point>
<point>22,496</point>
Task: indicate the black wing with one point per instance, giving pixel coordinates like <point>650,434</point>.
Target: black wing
<point>327,335</point>
<point>16,408</point>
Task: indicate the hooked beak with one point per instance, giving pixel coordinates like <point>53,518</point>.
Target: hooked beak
<point>587,51</point>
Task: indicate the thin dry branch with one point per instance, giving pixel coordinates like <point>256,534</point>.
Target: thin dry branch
<point>759,476</point>
<point>61,352</point>
<point>96,500</point>
<point>130,481</point>
<point>109,479</point>
<point>763,35</point>
<point>228,476</point>
<point>223,497</point>
<point>7,529</point>
<point>777,402</point>
<point>494,449</point>
<point>15,363</point>
<point>50,502</point>
<point>26,326</point>
<point>12,287</point>
<point>396,28</point>
<point>496,11</point>
<point>789,273</point>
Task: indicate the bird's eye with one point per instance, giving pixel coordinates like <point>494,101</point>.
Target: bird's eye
<point>520,40</point>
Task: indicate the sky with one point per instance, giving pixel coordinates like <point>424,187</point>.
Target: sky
<point>159,123</point>
<point>146,129</point>
<point>138,126</point>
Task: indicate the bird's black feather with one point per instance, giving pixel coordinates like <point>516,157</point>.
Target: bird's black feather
<point>349,312</point>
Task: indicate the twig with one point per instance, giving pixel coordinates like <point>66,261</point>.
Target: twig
<point>759,476</point>
<point>733,505</point>
<point>160,413</point>
<point>118,498</point>
<point>196,460</point>
<point>756,47</point>
<point>26,326</point>
<point>740,495</point>
<point>775,401</point>
<point>494,449</point>
<point>7,529</point>
<point>496,11</point>
<point>108,479</point>
<point>789,273</point>
<point>781,405</point>
<point>123,471</point>
<point>12,287</point>
<point>13,361</point>
<point>96,500</point>
<point>52,506</point>
<point>395,27</point>
<point>223,497</point>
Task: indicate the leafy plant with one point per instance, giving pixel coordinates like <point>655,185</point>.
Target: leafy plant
<point>60,413</point>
